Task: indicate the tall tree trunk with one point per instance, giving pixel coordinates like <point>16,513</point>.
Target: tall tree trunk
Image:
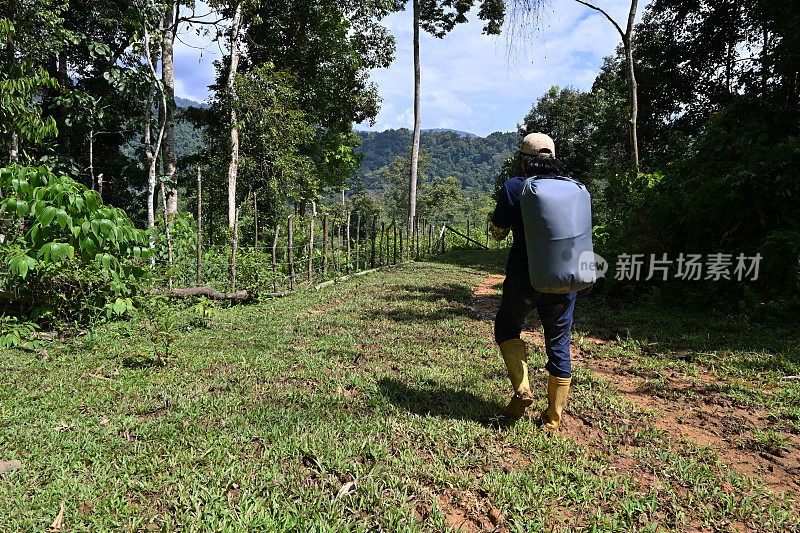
<point>634,108</point>
<point>152,149</point>
<point>412,183</point>
<point>151,168</point>
<point>91,156</point>
<point>13,152</point>
<point>764,55</point>
<point>168,81</point>
<point>234,162</point>
<point>627,43</point>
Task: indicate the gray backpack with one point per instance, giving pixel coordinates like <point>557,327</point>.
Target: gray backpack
<point>557,214</point>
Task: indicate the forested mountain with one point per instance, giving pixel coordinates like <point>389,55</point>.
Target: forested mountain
<point>474,161</point>
<point>188,138</point>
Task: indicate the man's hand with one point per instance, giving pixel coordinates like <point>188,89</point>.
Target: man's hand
<point>499,233</point>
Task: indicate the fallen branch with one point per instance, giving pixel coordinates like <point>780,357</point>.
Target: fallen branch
<point>206,291</point>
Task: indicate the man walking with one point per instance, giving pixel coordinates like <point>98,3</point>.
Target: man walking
<point>537,156</point>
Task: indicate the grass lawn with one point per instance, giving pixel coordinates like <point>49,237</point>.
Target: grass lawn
<point>392,380</point>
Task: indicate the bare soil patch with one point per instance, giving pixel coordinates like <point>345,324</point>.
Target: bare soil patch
<point>684,408</point>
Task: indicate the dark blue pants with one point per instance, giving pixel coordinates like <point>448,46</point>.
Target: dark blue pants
<point>555,312</point>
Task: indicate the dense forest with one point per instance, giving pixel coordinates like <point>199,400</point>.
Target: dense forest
<point>474,161</point>
<point>709,166</point>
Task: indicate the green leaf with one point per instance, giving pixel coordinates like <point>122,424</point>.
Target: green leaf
<point>47,215</point>
<point>64,220</point>
<point>20,264</point>
<point>120,306</point>
<point>89,246</point>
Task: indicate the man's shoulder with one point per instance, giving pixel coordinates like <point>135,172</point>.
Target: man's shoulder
<point>514,183</point>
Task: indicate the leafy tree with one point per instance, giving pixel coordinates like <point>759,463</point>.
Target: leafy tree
<point>28,31</point>
<point>393,177</point>
<point>330,47</point>
<point>274,131</point>
<point>569,117</point>
<point>531,8</point>
<point>441,199</point>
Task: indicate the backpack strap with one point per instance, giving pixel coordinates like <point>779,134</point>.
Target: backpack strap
<point>562,178</point>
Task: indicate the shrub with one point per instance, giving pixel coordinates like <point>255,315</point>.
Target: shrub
<point>67,255</point>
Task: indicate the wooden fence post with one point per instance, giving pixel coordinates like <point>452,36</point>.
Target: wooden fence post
<point>400,232</point>
<point>372,240</point>
<point>416,239</point>
<point>290,250</point>
<point>233,251</point>
<point>199,224</point>
<point>275,260</point>
<point>358,241</point>
<point>325,244</point>
<point>255,221</point>
<point>394,255</point>
<point>382,243</point>
<point>419,225</point>
<point>311,243</point>
<point>347,268</point>
<point>409,237</point>
<point>443,235</point>
<point>167,232</point>
<point>430,239</point>
<point>337,259</point>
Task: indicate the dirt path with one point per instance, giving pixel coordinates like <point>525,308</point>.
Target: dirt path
<point>683,408</point>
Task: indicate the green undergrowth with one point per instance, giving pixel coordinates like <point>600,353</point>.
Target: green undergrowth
<point>261,413</point>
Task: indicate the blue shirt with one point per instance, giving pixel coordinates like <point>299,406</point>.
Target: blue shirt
<point>508,214</point>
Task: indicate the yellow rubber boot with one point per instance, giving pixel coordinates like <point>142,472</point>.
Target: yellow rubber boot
<point>557,391</point>
<point>516,358</point>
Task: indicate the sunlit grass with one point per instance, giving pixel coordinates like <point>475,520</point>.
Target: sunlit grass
<point>391,381</point>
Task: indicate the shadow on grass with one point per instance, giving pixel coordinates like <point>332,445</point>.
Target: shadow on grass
<point>435,399</point>
<point>413,299</point>
<point>492,261</point>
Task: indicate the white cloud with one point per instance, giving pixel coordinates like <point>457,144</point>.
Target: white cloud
<point>194,58</point>
<point>485,83</point>
<point>470,81</point>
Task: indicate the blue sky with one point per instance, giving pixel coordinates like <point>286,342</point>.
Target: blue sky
<point>470,81</point>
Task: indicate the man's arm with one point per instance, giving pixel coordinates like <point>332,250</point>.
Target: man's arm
<point>501,218</point>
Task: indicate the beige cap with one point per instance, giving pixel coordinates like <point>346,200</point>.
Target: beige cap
<point>538,144</point>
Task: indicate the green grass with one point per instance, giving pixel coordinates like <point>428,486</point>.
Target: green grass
<point>257,420</point>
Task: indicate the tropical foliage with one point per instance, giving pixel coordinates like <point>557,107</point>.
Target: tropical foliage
<point>64,250</point>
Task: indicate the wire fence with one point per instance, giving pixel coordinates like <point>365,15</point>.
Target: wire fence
<point>298,254</point>
<point>305,252</point>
